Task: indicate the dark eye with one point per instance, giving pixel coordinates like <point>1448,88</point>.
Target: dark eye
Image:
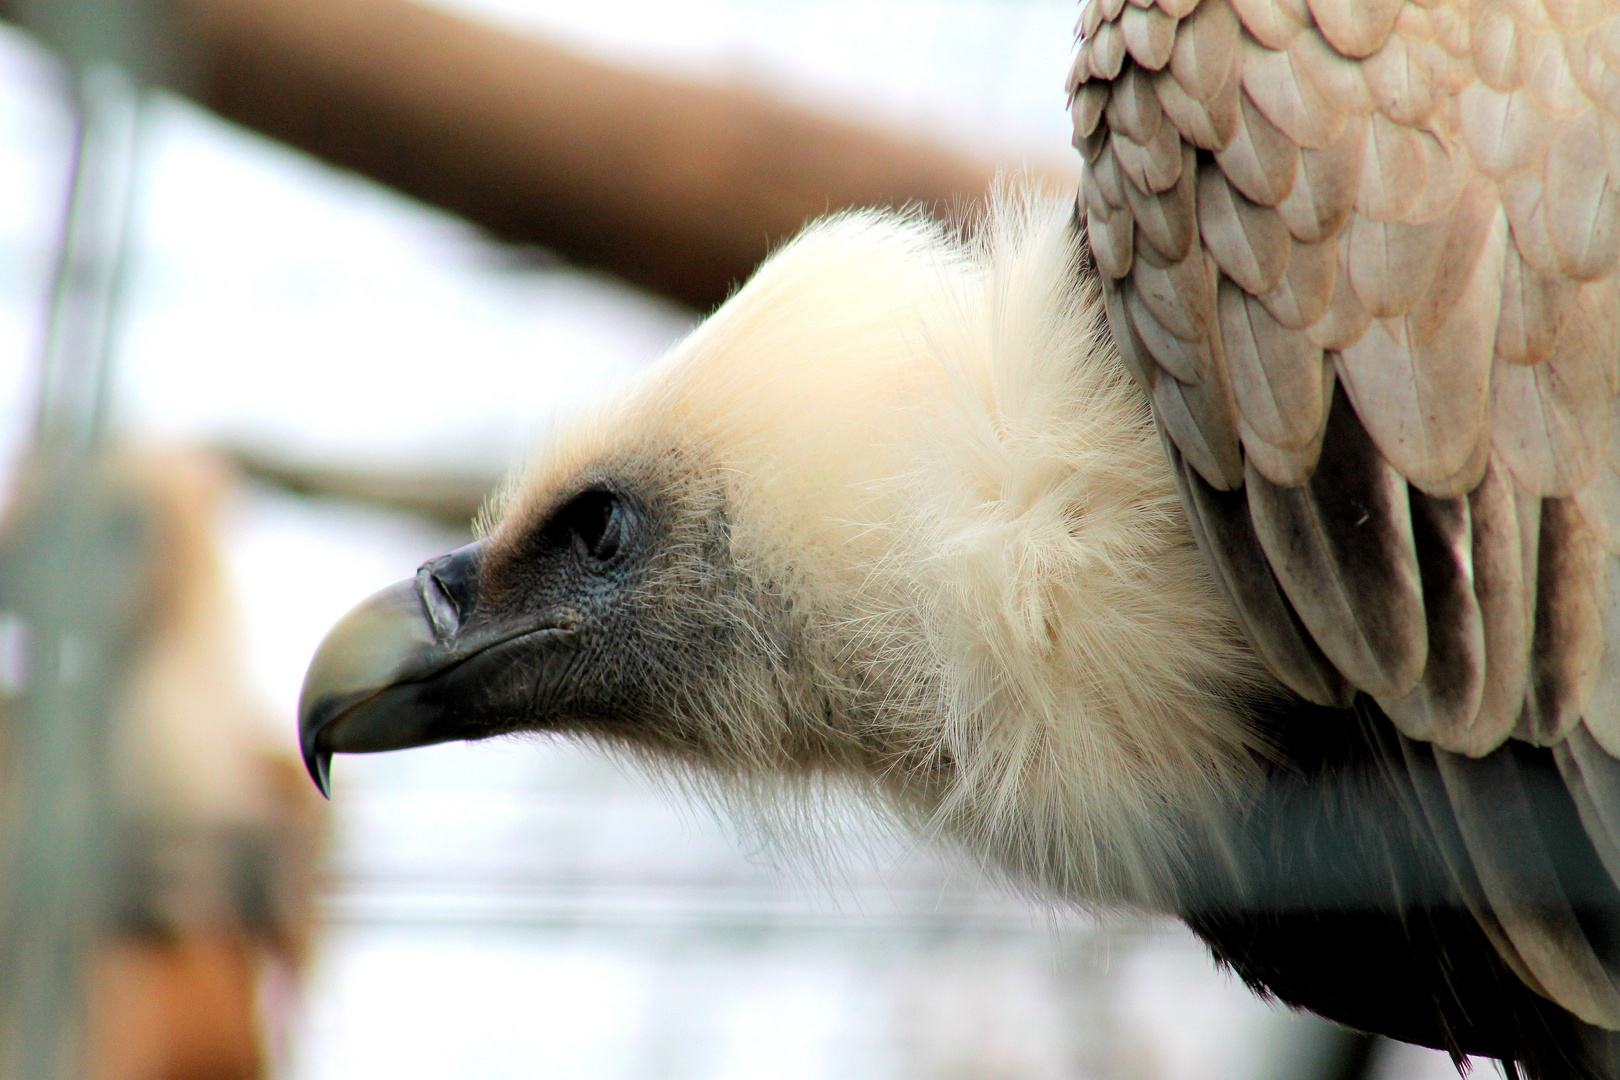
<point>592,523</point>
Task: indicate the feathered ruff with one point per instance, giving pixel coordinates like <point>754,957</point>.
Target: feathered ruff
<point>954,539</point>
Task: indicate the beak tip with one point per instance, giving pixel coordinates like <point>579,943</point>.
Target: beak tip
<point>363,690</point>
<point>319,764</point>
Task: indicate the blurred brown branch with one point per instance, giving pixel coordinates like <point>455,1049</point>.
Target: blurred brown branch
<point>678,185</point>
<point>451,498</point>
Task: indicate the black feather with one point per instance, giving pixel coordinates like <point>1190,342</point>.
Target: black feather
<point>1331,892</point>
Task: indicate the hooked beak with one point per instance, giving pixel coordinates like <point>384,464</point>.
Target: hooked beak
<point>418,663</point>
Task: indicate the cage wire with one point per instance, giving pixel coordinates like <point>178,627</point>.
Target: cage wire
<point>71,563</point>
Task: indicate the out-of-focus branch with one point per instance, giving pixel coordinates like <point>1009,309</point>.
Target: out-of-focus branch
<point>677,185</point>
<point>452,498</point>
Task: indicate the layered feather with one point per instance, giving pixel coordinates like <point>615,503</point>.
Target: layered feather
<point>1424,198</point>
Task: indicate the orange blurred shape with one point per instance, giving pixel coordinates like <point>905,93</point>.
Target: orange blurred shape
<point>176,1007</point>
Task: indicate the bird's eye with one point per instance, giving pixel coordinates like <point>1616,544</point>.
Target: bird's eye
<point>592,523</point>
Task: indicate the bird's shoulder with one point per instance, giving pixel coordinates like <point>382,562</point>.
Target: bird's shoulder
<point>1362,255</point>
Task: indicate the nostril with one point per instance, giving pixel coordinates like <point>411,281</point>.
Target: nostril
<point>448,587</point>
<point>441,609</point>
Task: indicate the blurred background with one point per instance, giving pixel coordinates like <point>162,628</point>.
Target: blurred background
<point>351,257</point>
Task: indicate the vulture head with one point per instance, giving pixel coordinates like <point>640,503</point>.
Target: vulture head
<point>895,516</point>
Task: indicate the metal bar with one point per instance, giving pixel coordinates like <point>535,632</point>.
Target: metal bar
<point>71,566</point>
<point>91,263</point>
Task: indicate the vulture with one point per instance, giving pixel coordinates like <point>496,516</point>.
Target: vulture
<point>213,849</point>
<point>1236,541</point>
<point>217,854</point>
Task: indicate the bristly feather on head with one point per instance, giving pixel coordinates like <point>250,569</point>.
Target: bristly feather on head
<point>918,513</point>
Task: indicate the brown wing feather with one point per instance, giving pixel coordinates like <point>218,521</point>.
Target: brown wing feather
<point>1221,525</point>
<point>1447,699</point>
<point>1499,586</point>
<point>1411,211</point>
<point>1341,546</point>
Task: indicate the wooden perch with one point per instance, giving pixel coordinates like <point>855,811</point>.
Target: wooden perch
<point>675,184</point>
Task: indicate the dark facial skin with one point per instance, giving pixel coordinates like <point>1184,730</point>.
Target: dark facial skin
<point>579,573</point>
<point>613,611</point>
<point>489,638</point>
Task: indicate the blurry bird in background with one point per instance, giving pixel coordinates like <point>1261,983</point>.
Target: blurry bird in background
<point>218,848</point>
<point>1329,672</point>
